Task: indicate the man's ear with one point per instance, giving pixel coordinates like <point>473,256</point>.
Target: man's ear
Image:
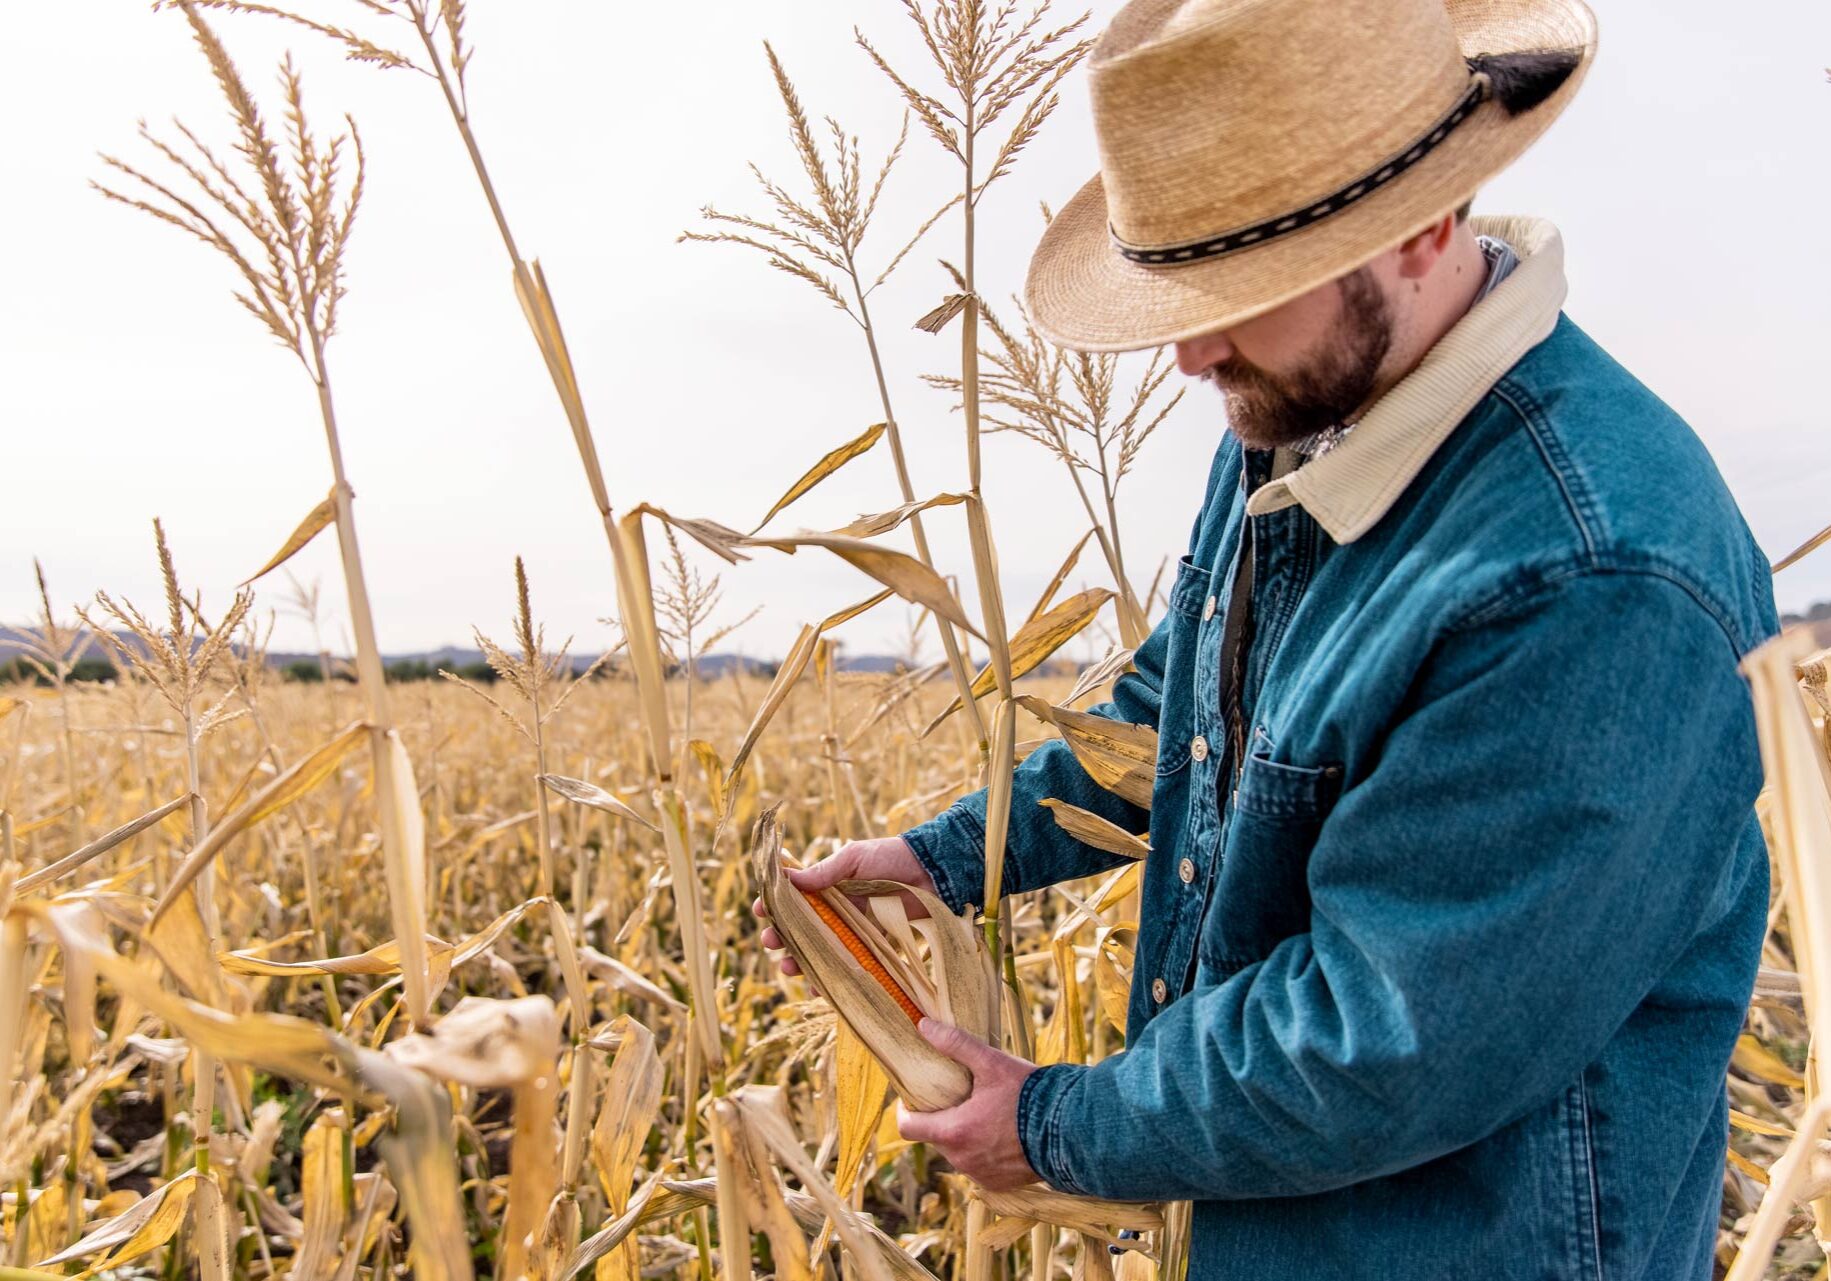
<point>1419,252</point>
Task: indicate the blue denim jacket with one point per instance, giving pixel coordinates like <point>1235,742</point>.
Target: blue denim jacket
<point>1452,977</point>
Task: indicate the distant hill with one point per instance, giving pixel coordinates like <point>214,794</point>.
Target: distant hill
<point>1818,618</point>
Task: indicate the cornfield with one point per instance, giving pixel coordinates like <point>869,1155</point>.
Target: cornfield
<point>350,978</point>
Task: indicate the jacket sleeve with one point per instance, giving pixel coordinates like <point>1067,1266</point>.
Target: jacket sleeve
<point>1553,818</point>
<point>951,846</point>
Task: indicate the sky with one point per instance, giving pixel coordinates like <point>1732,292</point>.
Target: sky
<point>1689,179</point>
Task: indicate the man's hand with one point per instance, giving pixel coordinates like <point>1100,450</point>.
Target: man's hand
<point>978,1137</point>
<point>886,858</point>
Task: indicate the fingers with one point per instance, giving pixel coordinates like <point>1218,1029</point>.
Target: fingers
<point>924,1127</point>
<point>966,1050</point>
<point>843,866</point>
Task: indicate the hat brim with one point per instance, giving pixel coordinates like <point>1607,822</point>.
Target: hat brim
<point>1081,294</point>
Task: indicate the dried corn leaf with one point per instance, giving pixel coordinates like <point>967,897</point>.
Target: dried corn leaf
<point>1035,641</point>
<point>1066,568</point>
<point>708,758</point>
<point>423,1164</point>
<point>99,846</point>
<point>764,1117</point>
<point>880,523</point>
<point>1805,549</point>
<point>787,674</point>
<point>1119,756</point>
<point>900,572</point>
<point>315,522</point>
<point>580,792</point>
<point>1090,829</point>
<point>830,463</point>
<point>1117,660</point>
<point>321,1181</point>
<point>859,1091</point>
<point>298,779</point>
<point>140,1229</point>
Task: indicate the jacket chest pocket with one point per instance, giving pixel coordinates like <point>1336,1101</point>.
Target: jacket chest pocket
<point>1262,894</point>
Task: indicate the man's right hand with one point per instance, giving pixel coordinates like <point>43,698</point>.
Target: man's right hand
<point>885,858</point>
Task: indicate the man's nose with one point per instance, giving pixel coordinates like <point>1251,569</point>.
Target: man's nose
<point>1195,356</point>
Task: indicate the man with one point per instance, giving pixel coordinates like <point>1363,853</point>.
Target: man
<point>1455,893</point>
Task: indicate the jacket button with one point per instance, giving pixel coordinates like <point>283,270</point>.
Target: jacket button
<point>1160,991</point>
<point>1186,870</point>
<point>1199,748</point>
<point>1208,609</point>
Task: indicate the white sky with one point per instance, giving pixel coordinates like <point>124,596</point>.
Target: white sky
<point>1689,179</point>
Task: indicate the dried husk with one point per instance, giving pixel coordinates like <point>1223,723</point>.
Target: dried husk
<point>921,1075</point>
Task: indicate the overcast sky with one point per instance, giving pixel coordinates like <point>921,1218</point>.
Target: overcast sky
<point>1690,179</point>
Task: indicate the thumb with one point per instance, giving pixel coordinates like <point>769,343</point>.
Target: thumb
<point>827,872</point>
<point>968,1051</point>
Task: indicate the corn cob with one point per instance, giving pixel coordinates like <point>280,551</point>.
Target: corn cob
<point>862,954</point>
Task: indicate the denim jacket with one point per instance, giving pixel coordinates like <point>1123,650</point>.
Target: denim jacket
<point>1446,985</point>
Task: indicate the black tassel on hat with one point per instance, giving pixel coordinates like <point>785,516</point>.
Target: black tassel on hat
<point>1521,81</point>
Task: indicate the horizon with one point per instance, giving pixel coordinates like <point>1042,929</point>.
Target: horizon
<point>715,381</point>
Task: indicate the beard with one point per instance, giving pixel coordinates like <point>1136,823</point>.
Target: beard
<point>1269,410</point>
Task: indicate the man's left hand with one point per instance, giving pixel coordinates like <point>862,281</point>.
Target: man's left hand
<point>979,1136</point>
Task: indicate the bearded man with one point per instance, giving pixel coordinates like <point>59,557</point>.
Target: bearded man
<point>1455,893</point>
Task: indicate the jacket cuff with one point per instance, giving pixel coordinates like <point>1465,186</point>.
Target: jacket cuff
<point>937,846</point>
<point>1043,1127</point>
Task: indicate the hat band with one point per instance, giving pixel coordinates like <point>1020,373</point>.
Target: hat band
<point>1284,224</point>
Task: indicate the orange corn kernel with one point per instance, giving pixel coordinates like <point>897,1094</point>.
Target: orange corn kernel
<point>862,954</point>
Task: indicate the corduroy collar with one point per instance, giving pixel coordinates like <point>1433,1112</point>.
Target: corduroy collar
<point>1352,486</point>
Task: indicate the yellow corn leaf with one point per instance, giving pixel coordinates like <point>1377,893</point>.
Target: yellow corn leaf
<point>1805,549</point>
<point>321,1187</point>
<point>720,540</point>
<point>298,779</point>
<point>1743,1121</point>
<point>324,514</point>
<point>636,610</point>
<point>860,1089</point>
<point>1035,641</point>
<point>759,1198</point>
<point>1119,756</point>
<point>1113,974</point>
<point>99,846</point>
<point>707,756</point>
<point>1061,575</point>
<point>47,1223</point>
<point>580,792</point>
<point>789,672</point>
<point>1760,1062</point>
<point>1115,891</point>
<point>626,979</point>
<point>880,523</point>
<point>1747,1167</point>
<point>764,1117</point>
<point>144,1226</point>
<point>832,462</point>
<point>900,572</point>
<point>632,1097</point>
<point>610,1236</point>
<point>1090,829</point>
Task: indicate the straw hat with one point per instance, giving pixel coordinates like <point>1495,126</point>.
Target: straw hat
<point>1251,150</point>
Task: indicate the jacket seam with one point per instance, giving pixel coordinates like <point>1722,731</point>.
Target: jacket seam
<point>1487,608</point>
<point>1588,1154</point>
<point>1527,409</point>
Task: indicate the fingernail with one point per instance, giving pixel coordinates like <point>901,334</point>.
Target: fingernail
<point>927,1026</point>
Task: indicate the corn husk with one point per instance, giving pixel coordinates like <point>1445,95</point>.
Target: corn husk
<point>921,1076</point>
